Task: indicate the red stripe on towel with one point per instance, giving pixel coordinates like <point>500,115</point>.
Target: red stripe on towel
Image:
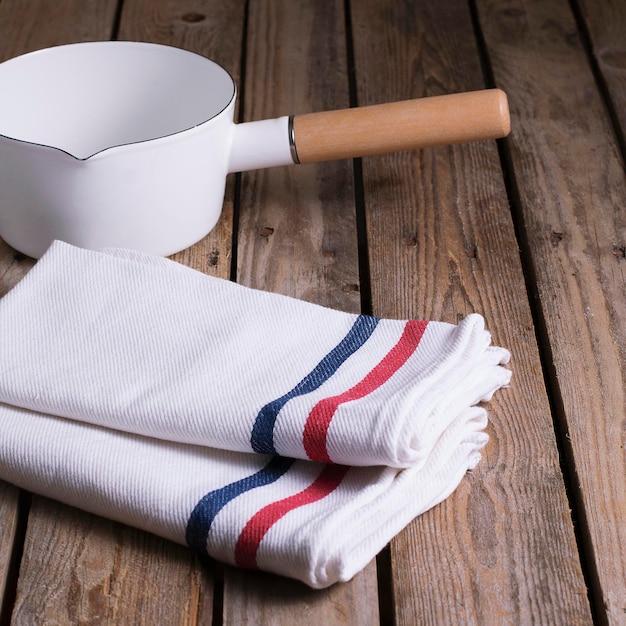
<point>253,532</point>
<point>316,428</point>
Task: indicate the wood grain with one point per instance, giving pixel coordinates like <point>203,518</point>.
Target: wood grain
<point>28,26</point>
<point>81,569</point>
<point>298,237</point>
<point>259,598</point>
<point>403,125</point>
<point>572,194</point>
<point>8,528</point>
<point>605,21</point>
<point>442,244</point>
<point>297,233</point>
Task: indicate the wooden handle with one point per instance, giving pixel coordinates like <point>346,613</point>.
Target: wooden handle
<point>407,125</point>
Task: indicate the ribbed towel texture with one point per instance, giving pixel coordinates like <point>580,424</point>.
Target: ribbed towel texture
<point>265,431</point>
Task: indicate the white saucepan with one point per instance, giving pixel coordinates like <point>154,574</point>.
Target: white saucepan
<point>128,144</point>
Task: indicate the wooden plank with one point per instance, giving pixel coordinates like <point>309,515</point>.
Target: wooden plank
<point>501,549</point>
<point>605,22</point>
<point>254,599</point>
<point>298,237</point>
<point>8,528</point>
<point>27,26</point>
<point>107,565</point>
<point>572,194</point>
<point>81,569</point>
<point>297,233</point>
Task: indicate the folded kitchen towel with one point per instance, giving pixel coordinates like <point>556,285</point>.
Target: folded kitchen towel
<point>147,346</point>
<point>318,523</point>
<point>265,431</point>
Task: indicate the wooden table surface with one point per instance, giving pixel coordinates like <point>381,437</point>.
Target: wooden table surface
<point>529,231</point>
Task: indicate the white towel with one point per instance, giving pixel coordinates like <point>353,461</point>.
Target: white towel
<point>265,431</point>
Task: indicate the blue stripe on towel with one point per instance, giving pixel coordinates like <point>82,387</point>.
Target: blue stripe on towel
<point>213,502</point>
<point>262,439</point>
